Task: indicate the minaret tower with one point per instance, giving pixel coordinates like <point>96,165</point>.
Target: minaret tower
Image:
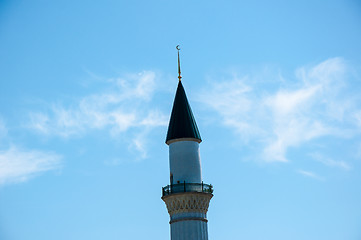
<point>187,197</point>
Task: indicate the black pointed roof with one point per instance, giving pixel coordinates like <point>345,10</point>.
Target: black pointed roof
<point>182,123</point>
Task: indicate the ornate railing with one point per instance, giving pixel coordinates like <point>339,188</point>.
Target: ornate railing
<point>187,187</point>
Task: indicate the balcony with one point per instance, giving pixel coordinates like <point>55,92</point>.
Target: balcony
<point>186,187</point>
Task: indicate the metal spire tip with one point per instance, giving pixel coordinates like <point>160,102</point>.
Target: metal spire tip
<point>179,69</point>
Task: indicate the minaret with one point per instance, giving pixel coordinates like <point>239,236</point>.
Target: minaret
<point>187,197</point>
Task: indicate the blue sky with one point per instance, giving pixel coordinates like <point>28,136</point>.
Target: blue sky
<point>86,90</point>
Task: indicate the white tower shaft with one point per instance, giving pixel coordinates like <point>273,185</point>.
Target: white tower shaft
<point>185,162</point>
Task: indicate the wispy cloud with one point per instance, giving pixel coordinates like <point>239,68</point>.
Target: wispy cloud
<point>17,165</point>
<point>233,100</point>
<point>314,104</point>
<point>299,114</point>
<point>330,162</point>
<point>310,174</point>
<point>357,116</point>
<point>128,105</point>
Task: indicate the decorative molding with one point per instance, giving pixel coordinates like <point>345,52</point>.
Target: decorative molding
<point>183,140</point>
<point>187,202</point>
<point>188,219</point>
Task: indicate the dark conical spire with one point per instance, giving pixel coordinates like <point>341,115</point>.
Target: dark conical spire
<point>182,123</point>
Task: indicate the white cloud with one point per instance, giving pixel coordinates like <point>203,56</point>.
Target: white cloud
<point>289,102</point>
<point>315,105</point>
<point>330,162</point>
<point>39,122</point>
<point>229,97</point>
<point>138,143</point>
<point>127,106</point>
<point>18,165</point>
<point>141,85</point>
<point>299,114</point>
<point>120,110</point>
<point>310,174</point>
<point>357,116</point>
<point>327,73</point>
<point>155,118</point>
<point>233,101</point>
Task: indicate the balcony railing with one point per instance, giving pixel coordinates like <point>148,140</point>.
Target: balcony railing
<point>187,187</point>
